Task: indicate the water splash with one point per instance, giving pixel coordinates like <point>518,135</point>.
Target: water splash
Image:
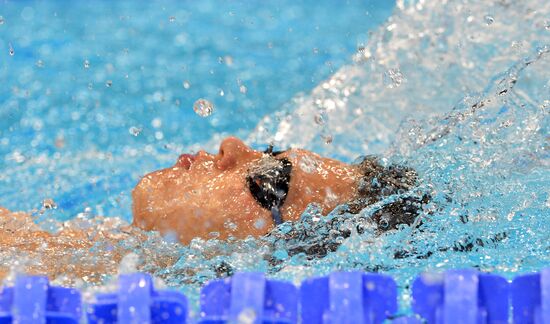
<point>472,118</point>
<point>443,49</point>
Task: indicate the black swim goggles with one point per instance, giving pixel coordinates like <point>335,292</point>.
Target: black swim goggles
<point>269,182</point>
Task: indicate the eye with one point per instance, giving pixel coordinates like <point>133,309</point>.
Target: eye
<point>269,185</point>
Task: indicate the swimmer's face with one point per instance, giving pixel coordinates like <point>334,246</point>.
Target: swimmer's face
<point>207,195</point>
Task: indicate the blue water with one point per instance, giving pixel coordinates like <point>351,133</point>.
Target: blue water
<point>459,91</point>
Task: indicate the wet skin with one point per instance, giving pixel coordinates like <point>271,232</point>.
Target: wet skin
<point>206,195</point>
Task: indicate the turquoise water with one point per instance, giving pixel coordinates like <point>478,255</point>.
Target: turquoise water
<point>460,91</point>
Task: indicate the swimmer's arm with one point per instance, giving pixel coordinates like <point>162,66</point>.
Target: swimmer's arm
<point>78,253</point>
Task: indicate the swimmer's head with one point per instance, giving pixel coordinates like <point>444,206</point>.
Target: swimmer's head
<point>239,191</point>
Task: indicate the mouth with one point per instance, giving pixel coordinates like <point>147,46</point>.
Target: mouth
<point>185,161</point>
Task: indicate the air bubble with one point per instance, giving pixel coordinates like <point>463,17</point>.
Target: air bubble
<point>86,64</point>
<point>39,63</point>
<point>489,19</point>
<point>109,83</point>
<point>1,20</point>
<point>186,84</point>
<point>203,107</point>
<point>172,19</point>
<point>135,131</point>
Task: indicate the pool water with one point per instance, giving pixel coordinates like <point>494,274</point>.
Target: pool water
<point>458,90</point>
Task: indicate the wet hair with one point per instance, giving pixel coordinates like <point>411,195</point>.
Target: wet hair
<point>316,239</point>
<point>379,182</point>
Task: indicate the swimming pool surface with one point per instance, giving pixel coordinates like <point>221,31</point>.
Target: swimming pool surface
<point>95,95</point>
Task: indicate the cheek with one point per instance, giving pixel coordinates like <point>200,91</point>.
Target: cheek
<point>243,213</point>
<point>199,205</point>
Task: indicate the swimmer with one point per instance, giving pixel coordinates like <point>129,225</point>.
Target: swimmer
<point>240,191</point>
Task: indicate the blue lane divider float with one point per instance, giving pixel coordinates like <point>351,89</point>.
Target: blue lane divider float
<point>457,296</point>
<point>461,296</point>
<point>136,301</point>
<point>347,298</point>
<point>531,298</point>
<point>33,300</point>
<point>248,298</point>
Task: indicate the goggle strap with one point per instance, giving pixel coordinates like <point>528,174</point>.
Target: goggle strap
<point>276,215</point>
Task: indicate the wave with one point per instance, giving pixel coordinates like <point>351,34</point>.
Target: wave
<point>423,60</point>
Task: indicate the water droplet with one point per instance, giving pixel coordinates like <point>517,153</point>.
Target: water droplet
<point>203,107</point>
<point>40,63</point>
<point>320,118</point>
<point>243,89</point>
<point>228,60</point>
<point>186,84</point>
<point>393,78</point>
<point>308,164</point>
<point>172,19</point>
<point>12,51</point>
<point>142,283</point>
<point>315,50</point>
<point>230,226</point>
<point>327,139</point>
<point>1,20</point>
<point>156,123</point>
<point>135,130</point>
<point>48,203</point>
<point>247,316</point>
<point>489,19</point>
<point>109,83</point>
<point>222,93</point>
<point>27,13</point>
<point>86,64</point>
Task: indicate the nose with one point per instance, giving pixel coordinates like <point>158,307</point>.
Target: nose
<point>232,150</point>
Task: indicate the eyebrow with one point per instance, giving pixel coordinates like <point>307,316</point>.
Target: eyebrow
<point>278,152</point>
